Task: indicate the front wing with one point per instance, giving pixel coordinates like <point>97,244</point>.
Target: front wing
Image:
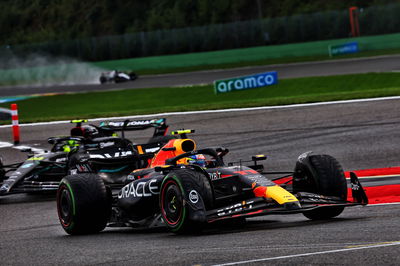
<point>31,187</point>
<point>308,201</point>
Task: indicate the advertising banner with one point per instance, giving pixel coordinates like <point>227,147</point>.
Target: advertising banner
<point>347,48</point>
<point>246,82</point>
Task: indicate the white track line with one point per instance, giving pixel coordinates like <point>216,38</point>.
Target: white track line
<point>378,245</point>
<point>221,110</point>
<point>4,144</point>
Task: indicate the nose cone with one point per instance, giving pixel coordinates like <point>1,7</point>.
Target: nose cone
<point>295,205</point>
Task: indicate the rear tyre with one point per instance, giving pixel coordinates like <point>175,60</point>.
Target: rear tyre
<point>324,175</point>
<point>133,76</point>
<point>83,204</point>
<point>184,197</point>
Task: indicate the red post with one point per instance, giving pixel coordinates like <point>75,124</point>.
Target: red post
<point>15,125</point>
<point>355,28</point>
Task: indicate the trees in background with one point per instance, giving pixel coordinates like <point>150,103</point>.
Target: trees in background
<point>32,21</point>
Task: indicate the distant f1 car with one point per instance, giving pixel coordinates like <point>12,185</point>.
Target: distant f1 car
<point>117,77</point>
<point>99,147</point>
<point>185,189</point>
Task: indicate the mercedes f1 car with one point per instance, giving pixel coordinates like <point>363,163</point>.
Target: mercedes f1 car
<point>185,189</point>
<point>116,76</point>
<point>99,147</point>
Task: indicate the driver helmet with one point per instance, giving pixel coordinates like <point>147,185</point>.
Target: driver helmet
<point>89,131</point>
<point>70,145</point>
<point>198,159</point>
<point>86,131</point>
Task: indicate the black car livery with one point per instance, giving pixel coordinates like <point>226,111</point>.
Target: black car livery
<point>185,189</point>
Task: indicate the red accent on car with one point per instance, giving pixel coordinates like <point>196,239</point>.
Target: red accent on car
<point>246,172</point>
<point>161,156</point>
<point>260,191</point>
<point>225,176</point>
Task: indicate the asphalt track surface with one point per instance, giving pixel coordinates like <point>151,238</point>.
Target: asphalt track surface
<point>332,67</point>
<point>359,134</point>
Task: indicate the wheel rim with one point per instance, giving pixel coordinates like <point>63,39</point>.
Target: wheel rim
<point>172,203</point>
<point>65,206</point>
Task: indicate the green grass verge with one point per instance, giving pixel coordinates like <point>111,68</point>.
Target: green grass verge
<point>146,101</point>
<point>69,72</point>
<point>261,55</point>
<point>262,62</point>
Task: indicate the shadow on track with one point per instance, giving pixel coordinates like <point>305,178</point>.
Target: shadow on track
<point>225,228</point>
<point>27,198</point>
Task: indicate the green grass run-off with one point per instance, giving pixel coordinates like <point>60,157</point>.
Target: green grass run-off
<point>262,55</point>
<point>156,100</point>
<point>68,71</point>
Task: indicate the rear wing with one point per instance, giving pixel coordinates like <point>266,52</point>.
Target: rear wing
<point>134,124</point>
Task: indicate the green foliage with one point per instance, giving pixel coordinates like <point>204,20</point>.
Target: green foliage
<point>97,30</point>
<point>24,21</point>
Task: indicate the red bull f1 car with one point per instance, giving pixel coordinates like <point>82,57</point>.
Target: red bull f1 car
<point>186,189</point>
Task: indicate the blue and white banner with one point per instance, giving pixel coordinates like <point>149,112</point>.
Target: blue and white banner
<point>346,48</point>
<point>246,82</point>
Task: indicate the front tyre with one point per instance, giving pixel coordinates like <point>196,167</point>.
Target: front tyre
<point>321,174</point>
<point>184,197</point>
<point>83,204</point>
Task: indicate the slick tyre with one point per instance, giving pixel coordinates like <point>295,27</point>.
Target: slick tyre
<point>83,204</point>
<point>324,175</point>
<point>184,198</point>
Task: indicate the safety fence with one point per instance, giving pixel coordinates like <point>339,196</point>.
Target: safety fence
<point>374,20</point>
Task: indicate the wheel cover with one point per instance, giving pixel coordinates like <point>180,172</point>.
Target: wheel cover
<point>172,203</point>
<point>65,206</point>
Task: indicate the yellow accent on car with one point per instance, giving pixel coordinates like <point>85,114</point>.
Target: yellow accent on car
<point>185,131</point>
<point>79,121</point>
<point>280,195</point>
<point>165,166</point>
<point>184,145</point>
<point>36,159</point>
<point>140,149</point>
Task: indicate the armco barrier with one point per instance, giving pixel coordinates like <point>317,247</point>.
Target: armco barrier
<point>246,82</point>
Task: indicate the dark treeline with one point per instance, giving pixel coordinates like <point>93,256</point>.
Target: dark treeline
<point>32,21</point>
